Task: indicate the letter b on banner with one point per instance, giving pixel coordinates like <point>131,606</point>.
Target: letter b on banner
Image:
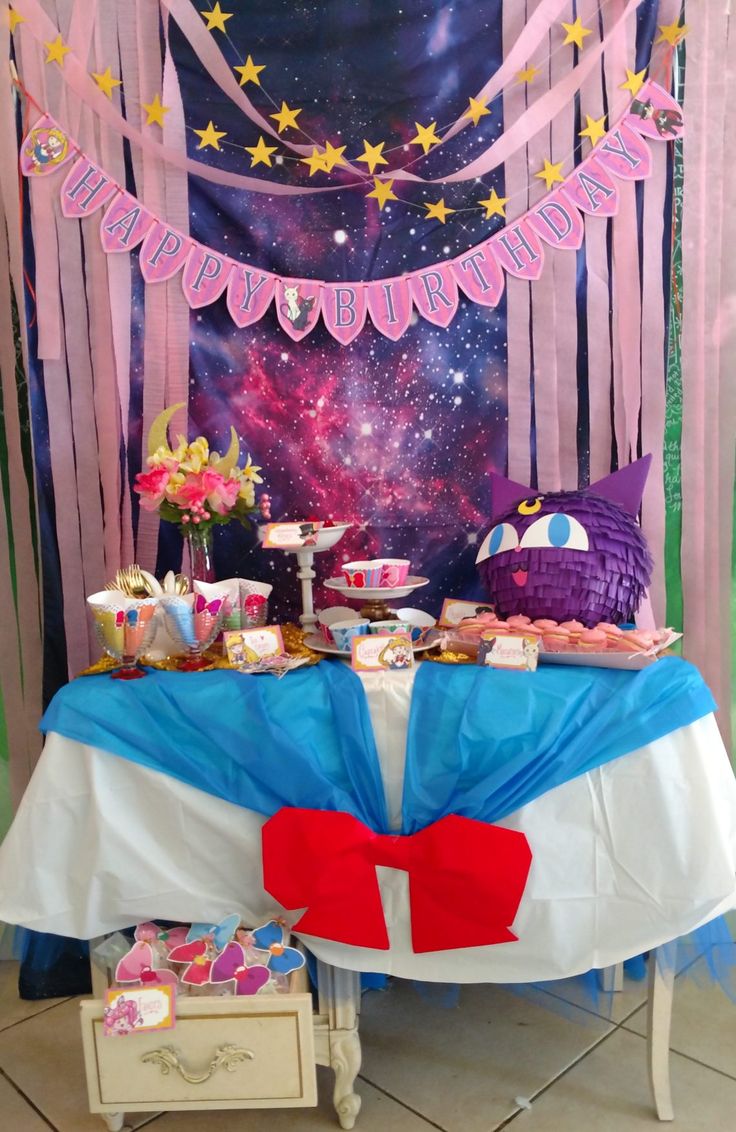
<point>344,310</point>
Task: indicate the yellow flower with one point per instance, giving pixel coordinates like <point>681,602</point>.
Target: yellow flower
<point>250,472</point>
<point>176,481</point>
<point>247,493</point>
<point>196,456</point>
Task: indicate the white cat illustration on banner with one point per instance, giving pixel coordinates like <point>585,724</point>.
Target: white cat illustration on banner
<point>299,305</point>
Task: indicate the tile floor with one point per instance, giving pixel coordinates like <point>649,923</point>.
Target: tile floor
<point>430,1066</point>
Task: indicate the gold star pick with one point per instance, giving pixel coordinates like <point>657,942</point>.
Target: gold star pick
<point>527,76</point>
<point>672,33</point>
<point>332,156</point>
<point>476,110</point>
<point>634,82</point>
<point>576,33</point>
<point>438,211</point>
<point>594,129</point>
<point>372,155</point>
<point>286,118</point>
<point>382,192</point>
<point>106,82</point>
<point>216,18</point>
<point>261,153</point>
<point>494,205</point>
<point>316,162</point>
<point>249,72</point>
<point>14,18</point>
<point>56,51</point>
<point>550,173</point>
<point>155,111</point>
<point>425,136</point>
<point>210,136</point>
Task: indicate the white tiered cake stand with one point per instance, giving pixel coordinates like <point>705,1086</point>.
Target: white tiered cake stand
<point>374,600</point>
<point>326,538</point>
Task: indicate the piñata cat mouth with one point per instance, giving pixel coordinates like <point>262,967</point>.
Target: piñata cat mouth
<point>519,574</point>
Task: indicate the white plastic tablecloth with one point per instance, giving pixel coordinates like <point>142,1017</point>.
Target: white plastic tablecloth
<point>625,857</point>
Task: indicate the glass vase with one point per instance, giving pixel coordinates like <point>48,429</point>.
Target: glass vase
<point>201,564</point>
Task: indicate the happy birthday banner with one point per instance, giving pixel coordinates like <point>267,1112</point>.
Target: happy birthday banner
<point>479,273</point>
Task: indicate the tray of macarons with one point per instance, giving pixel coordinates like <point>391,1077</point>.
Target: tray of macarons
<point>567,642</point>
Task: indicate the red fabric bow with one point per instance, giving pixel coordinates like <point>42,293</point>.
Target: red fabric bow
<point>466,878</point>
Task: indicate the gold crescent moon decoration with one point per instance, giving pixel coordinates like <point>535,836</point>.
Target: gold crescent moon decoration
<point>231,457</point>
<point>529,506</point>
<point>158,432</point>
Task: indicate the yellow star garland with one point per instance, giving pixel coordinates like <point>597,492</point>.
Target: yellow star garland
<point>438,211</point>
<point>425,136</point>
<point>551,173</point>
<point>155,111</point>
<point>494,205</point>
<point>216,18</point>
<point>527,76</point>
<point>261,153</point>
<point>672,33</point>
<point>476,110</point>
<point>106,82</point>
<point>316,162</point>
<point>249,72</point>
<point>634,82</point>
<point>210,137</point>
<point>372,155</point>
<point>14,18</point>
<point>382,192</point>
<point>56,51</point>
<point>576,33</point>
<point>333,156</point>
<point>594,129</point>
<point>286,118</point>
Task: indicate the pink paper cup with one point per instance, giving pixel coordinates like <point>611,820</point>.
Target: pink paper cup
<point>394,572</point>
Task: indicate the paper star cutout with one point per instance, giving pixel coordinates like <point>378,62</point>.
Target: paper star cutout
<point>332,156</point>
<point>528,75</point>
<point>438,211</point>
<point>594,128</point>
<point>249,72</point>
<point>576,33</point>
<point>155,111</point>
<point>494,205</point>
<point>316,162</point>
<point>425,136</point>
<point>634,82</point>
<point>476,110</point>
<point>672,33</point>
<point>106,82</point>
<point>550,173</point>
<point>372,155</point>
<point>14,18</point>
<point>216,18</point>
<point>261,153</point>
<point>286,117</point>
<point>56,51</point>
<point>382,192</point>
<point>210,136</point>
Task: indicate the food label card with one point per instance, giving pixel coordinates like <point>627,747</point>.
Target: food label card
<point>453,611</point>
<point>291,536</point>
<point>248,646</point>
<point>517,652</point>
<point>380,652</point>
<point>138,1010</point>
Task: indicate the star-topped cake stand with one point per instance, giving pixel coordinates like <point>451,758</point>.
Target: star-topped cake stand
<point>375,600</point>
<point>304,540</point>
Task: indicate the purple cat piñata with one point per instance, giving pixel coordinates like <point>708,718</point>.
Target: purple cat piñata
<point>568,554</point>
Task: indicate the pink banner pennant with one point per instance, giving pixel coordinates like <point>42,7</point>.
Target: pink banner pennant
<point>205,275</point>
<point>434,291</point>
<point>85,189</point>
<point>625,153</point>
<point>162,253</point>
<point>344,310</point>
<point>518,250</point>
<point>124,224</point>
<point>390,306</point>
<point>45,148</point>
<point>479,275</point>
<point>655,114</point>
<point>557,222</point>
<point>249,294</point>
<point>298,303</point>
<point>591,189</point>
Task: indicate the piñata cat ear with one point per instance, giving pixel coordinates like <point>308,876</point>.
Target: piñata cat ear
<point>626,486</point>
<point>505,493</point>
